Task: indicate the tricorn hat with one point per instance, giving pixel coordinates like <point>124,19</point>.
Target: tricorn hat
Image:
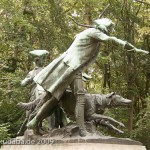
<point>104,24</point>
<point>39,52</point>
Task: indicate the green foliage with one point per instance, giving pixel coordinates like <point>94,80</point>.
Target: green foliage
<point>33,24</point>
<point>142,130</point>
<point>10,94</point>
<point>4,133</point>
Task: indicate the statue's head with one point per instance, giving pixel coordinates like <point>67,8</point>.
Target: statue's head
<point>39,57</point>
<point>105,24</point>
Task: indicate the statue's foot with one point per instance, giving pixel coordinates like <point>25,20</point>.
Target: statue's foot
<point>33,124</point>
<point>120,131</point>
<point>121,124</point>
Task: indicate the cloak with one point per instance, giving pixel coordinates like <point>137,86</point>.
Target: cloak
<point>56,77</point>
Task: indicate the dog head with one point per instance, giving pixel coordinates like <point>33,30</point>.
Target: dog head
<point>113,100</point>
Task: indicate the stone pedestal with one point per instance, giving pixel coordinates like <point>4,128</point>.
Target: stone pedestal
<point>75,146</point>
<point>69,139</point>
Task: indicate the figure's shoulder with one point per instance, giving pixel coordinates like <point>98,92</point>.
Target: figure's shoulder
<point>93,32</point>
<point>98,34</point>
<point>90,32</point>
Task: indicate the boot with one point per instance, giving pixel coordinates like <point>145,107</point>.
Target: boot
<point>79,112</point>
<point>46,110</point>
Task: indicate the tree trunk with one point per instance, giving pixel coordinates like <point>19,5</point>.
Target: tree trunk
<point>107,75</point>
<point>88,15</point>
<point>129,36</point>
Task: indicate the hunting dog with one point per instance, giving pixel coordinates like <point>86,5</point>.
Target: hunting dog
<point>95,105</point>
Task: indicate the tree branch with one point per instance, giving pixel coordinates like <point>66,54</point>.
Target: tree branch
<point>104,11</point>
<point>70,7</point>
<point>139,1</point>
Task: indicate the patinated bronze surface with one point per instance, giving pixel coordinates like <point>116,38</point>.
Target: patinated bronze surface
<point>95,105</point>
<point>66,69</point>
<point>37,92</point>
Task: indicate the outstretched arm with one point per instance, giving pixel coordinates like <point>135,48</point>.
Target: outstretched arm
<point>127,45</point>
<point>25,81</point>
<point>28,79</point>
<point>104,38</point>
<point>130,47</point>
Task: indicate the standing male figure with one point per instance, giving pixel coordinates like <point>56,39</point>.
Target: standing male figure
<point>67,68</point>
<point>36,91</point>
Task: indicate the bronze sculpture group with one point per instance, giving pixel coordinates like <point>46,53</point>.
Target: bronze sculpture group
<point>66,71</point>
<point>35,92</point>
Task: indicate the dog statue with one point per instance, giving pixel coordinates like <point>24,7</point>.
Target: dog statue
<point>95,106</point>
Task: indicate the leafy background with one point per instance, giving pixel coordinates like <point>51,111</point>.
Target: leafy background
<point>45,24</point>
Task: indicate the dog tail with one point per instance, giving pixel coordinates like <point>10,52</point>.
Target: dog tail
<point>31,105</point>
<point>28,106</point>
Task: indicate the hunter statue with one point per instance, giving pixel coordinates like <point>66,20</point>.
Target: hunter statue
<point>36,89</point>
<point>58,117</point>
<point>66,70</point>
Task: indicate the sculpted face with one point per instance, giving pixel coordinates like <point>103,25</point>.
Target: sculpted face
<point>114,100</point>
<point>105,24</point>
<point>118,100</point>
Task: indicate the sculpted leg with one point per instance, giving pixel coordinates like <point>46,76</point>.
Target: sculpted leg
<point>79,112</point>
<point>110,126</point>
<point>22,128</point>
<point>51,121</point>
<point>24,125</point>
<point>46,110</point>
<point>78,90</point>
<point>106,118</point>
